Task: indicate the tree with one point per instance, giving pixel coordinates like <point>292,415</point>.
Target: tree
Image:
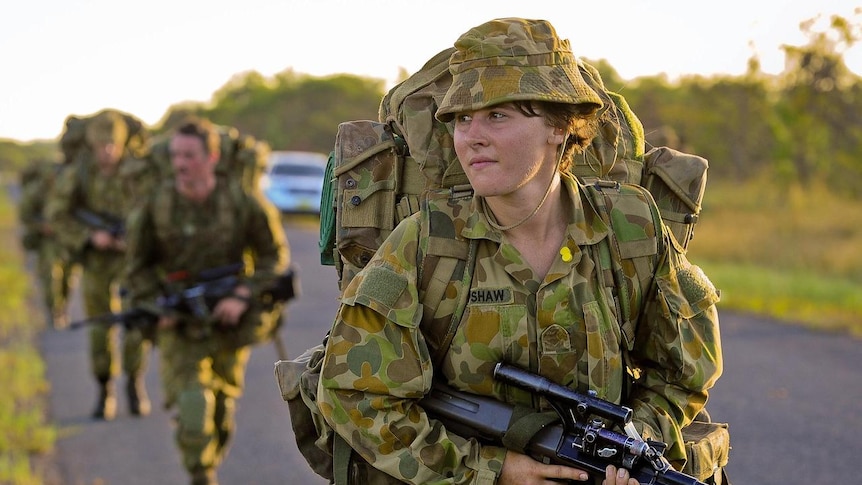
<point>818,101</point>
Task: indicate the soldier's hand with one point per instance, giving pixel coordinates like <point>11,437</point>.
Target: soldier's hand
<point>614,476</point>
<point>230,309</point>
<point>520,469</point>
<point>166,321</point>
<point>101,240</point>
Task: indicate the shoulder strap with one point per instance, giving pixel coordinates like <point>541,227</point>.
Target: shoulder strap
<point>634,237</point>
<point>163,205</point>
<point>446,264</point>
<point>629,257</point>
<point>82,174</point>
<point>238,196</point>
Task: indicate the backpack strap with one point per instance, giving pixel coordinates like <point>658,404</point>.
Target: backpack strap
<point>165,200</point>
<point>628,260</point>
<point>445,263</point>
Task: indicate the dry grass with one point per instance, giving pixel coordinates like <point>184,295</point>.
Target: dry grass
<point>792,253</point>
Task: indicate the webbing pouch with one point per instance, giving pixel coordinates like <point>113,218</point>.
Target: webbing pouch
<point>297,379</point>
<point>677,182</point>
<point>707,449</point>
<point>367,172</point>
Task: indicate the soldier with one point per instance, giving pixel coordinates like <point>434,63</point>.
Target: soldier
<point>88,206</point>
<point>53,269</point>
<point>194,222</point>
<point>520,112</point>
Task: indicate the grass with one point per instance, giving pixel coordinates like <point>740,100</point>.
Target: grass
<point>792,253</point>
<point>23,430</point>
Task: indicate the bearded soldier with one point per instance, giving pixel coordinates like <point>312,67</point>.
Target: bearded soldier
<point>194,222</point>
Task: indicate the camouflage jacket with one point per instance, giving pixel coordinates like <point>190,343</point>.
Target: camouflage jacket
<point>82,186</point>
<point>36,184</point>
<point>378,365</point>
<point>169,233</point>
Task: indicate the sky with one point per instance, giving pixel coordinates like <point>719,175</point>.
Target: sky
<point>63,57</point>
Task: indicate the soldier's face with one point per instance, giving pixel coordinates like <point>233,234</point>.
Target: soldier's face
<point>107,154</point>
<point>189,159</point>
<point>502,150</point>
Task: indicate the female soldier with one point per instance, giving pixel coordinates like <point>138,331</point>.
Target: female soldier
<point>521,110</point>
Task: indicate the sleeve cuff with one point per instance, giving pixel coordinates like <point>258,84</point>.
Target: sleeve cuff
<point>490,465</point>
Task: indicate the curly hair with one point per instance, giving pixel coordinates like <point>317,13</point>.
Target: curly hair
<point>579,121</point>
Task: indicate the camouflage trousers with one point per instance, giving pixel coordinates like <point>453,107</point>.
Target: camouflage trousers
<point>54,274</point>
<point>101,295</point>
<point>203,378</point>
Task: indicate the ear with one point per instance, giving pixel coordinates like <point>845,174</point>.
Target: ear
<point>557,137</point>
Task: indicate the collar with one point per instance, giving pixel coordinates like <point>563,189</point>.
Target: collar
<point>586,226</point>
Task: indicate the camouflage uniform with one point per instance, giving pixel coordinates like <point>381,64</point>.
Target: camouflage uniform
<point>203,366</point>
<point>82,185</point>
<point>53,269</point>
<point>565,326</point>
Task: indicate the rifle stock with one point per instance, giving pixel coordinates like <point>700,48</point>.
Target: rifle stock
<point>580,444</point>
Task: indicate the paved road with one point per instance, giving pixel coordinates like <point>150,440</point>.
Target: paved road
<point>792,398</point>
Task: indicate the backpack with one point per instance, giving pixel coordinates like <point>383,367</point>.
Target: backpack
<point>382,172</point>
<point>73,141</point>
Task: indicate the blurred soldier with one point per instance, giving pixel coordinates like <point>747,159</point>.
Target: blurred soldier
<point>195,222</point>
<point>88,208</point>
<point>53,269</point>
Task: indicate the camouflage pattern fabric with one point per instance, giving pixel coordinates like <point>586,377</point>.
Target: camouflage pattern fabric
<point>73,141</point>
<point>378,363</point>
<point>677,181</point>
<point>170,234</point>
<point>52,267</point>
<point>82,185</point>
<point>203,366</point>
<point>379,182</point>
<point>509,60</point>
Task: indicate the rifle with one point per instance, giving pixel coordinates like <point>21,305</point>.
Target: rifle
<point>212,285</point>
<point>581,440</point>
<point>137,317</point>
<point>101,221</point>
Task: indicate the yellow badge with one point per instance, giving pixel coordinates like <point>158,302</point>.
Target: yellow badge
<point>566,254</point>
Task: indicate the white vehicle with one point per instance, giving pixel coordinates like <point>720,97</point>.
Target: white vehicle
<point>293,180</point>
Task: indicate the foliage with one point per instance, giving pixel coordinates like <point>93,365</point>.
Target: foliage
<point>23,431</point>
<point>14,155</point>
<point>796,127</point>
<point>787,252</point>
<point>290,111</point>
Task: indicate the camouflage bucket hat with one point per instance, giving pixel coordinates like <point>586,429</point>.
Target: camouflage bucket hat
<point>513,59</point>
<point>107,127</point>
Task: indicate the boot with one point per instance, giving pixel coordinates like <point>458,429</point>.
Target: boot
<point>204,476</point>
<point>139,402</point>
<point>106,406</point>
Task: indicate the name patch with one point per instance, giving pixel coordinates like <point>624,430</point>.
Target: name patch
<point>490,296</point>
